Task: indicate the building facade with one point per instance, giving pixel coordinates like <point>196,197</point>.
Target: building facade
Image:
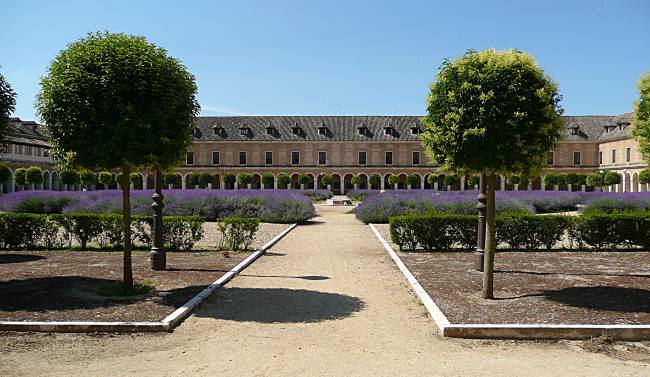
<point>349,146</point>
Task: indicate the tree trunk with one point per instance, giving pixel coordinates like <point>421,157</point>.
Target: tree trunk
<point>490,239</point>
<point>127,278</point>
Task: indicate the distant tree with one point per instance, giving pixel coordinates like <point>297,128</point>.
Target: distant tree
<point>355,180</point>
<point>267,180</point>
<point>611,178</point>
<point>106,178</point>
<point>229,179</point>
<point>641,117</point>
<point>374,180</point>
<point>19,176</point>
<point>595,180</point>
<point>87,178</point>
<point>205,179</point>
<point>492,112</point>
<point>283,180</point>
<point>193,179</point>
<point>118,101</point>
<point>514,179</point>
<point>644,176</point>
<point>327,180</point>
<point>432,178</point>
<point>551,179</point>
<point>244,179</point>
<point>69,177</point>
<point>412,180</point>
<point>171,179</point>
<point>393,180</point>
<point>450,180</point>
<point>560,180</point>
<point>582,179</point>
<point>472,181</point>
<point>303,179</point>
<point>34,175</point>
<point>135,178</point>
<point>7,106</point>
<point>572,178</point>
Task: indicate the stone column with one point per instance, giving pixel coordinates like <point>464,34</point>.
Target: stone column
<point>530,185</point>
<point>542,185</point>
<point>435,186</point>
<point>502,181</point>
<point>462,183</point>
<point>183,183</point>
<point>381,184</point>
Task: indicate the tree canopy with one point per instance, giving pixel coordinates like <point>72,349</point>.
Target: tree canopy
<point>641,117</point>
<point>7,106</point>
<point>492,112</point>
<point>111,100</point>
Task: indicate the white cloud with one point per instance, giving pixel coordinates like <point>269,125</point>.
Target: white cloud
<point>219,110</point>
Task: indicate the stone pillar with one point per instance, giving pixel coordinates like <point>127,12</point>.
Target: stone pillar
<point>502,181</point>
<point>542,185</point>
<point>435,186</point>
<point>462,183</point>
<point>145,182</point>
<point>422,183</point>
<point>381,184</point>
<point>183,183</point>
<point>530,185</point>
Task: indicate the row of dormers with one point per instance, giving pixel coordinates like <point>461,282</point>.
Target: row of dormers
<point>298,130</point>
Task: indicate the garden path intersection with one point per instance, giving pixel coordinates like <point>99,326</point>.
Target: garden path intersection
<point>324,301</point>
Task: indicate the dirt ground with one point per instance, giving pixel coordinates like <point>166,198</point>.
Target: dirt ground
<point>327,301</point>
<point>64,286</point>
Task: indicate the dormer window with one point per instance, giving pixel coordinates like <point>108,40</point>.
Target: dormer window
<point>197,133</point>
<point>218,130</point>
<point>620,126</point>
<point>322,129</point>
<point>575,131</point>
<point>296,129</point>
<point>271,130</point>
<point>415,130</point>
<point>362,130</point>
<point>244,130</point>
<point>388,130</point>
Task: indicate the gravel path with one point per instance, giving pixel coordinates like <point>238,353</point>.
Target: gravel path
<point>327,301</point>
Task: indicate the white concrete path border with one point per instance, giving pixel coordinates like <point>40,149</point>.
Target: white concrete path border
<point>166,325</point>
<point>511,331</point>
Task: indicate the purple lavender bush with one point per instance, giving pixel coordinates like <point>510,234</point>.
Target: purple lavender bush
<point>280,206</point>
<point>377,208</point>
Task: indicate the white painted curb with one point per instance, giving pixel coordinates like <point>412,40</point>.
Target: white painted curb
<point>512,331</point>
<point>167,324</point>
<point>184,311</point>
<point>435,312</point>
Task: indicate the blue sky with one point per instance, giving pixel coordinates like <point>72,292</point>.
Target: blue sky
<point>343,57</point>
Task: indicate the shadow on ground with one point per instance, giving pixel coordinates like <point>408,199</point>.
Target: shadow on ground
<point>19,258</point>
<point>279,305</point>
<point>603,298</point>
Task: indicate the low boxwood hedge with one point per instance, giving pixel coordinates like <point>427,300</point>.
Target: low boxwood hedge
<point>443,231</point>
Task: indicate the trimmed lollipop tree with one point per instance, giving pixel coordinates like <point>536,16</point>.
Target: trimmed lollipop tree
<point>19,177</point>
<point>611,178</point>
<point>267,180</point>
<point>283,180</point>
<point>171,179</point>
<point>205,180</point>
<point>641,116</point>
<point>303,180</point>
<point>244,180</point>
<point>450,182</point>
<point>116,101</point>
<point>355,180</point>
<point>69,177</point>
<point>412,181</point>
<point>393,180</point>
<point>492,112</point>
<point>87,178</point>
<point>327,181</point>
<point>595,180</point>
<point>105,178</point>
<point>375,181</point>
<point>229,180</point>
<point>34,176</point>
<point>7,106</point>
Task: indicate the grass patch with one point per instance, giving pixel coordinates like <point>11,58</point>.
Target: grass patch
<point>117,289</point>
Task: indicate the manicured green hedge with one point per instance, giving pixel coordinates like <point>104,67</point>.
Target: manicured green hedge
<point>522,231</point>
<point>31,231</point>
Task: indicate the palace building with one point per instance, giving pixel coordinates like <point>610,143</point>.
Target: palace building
<point>348,146</point>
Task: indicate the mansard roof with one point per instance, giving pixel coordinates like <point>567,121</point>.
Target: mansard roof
<point>338,128</point>
<point>372,128</point>
<point>27,132</point>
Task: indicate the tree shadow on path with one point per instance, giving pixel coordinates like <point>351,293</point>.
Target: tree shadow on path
<point>19,258</point>
<point>279,305</point>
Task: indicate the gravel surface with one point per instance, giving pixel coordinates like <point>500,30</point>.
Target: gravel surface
<point>326,301</point>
